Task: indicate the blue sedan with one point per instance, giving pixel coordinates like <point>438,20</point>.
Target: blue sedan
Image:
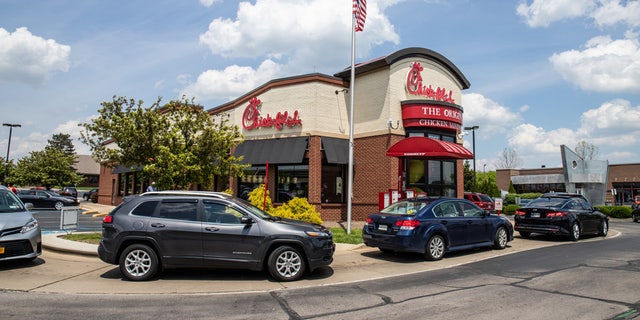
<point>434,226</point>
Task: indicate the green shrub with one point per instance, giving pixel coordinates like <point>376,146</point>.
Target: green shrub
<point>605,209</point>
<point>510,209</point>
<point>621,212</point>
<point>298,209</point>
<point>510,198</point>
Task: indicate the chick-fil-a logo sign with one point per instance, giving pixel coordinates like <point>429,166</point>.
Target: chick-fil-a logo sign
<point>415,86</point>
<point>251,118</point>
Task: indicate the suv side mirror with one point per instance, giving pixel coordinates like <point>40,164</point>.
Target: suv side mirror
<point>28,205</point>
<point>246,220</point>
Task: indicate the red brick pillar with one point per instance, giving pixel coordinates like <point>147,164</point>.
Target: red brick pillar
<point>315,169</point>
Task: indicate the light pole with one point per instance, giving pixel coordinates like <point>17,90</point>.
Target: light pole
<point>473,138</point>
<point>6,166</point>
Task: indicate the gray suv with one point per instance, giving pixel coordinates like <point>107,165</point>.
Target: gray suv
<point>185,229</point>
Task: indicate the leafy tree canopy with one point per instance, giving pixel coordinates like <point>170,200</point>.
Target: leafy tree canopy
<point>49,167</point>
<point>62,142</point>
<point>177,144</point>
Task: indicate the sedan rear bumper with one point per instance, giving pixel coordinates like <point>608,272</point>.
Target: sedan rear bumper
<point>546,229</point>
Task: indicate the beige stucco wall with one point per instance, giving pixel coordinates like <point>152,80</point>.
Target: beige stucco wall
<point>322,111</point>
<point>379,94</point>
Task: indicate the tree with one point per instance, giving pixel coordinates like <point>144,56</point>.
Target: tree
<point>62,142</point>
<point>508,160</point>
<point>586,150</point>
<point>49,167</point>
<point>468,176</point>
<point>177,144</point>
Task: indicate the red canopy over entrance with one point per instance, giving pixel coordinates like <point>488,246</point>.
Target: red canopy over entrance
<point>422,147</point>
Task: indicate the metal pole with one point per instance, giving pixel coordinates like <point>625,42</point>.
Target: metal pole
<point>475,179</point>
<point>6,166</point>
<point>351,95</point>
<point>473,137</point>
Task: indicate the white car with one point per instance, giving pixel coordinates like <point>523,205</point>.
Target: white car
<point>20,233</point>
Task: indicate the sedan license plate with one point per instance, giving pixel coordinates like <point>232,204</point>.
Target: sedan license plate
<point>535,214</point>
<point>382,227</point>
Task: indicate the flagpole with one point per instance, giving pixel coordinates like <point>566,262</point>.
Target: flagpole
<point>351,95</point>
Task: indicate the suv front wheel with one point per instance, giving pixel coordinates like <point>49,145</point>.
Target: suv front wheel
<point>286,264</point>
<point>139,262</point>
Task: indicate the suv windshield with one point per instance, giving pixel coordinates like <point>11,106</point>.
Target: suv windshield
<point>9,202</point>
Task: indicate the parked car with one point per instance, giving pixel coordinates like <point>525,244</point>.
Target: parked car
<point>561,214</point>
<point>46,199</point>
<point>20,234</point>
<point>87,195</point>
<point>69,192</point>
<point>174,229</point>
<point>434,226</point>
<point>481,200</point>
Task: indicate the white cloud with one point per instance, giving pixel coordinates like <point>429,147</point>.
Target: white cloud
<point>296,42</point>
<point>611,12</point>
<point>541,13</point>
<point>614,123</point>
<point>493,117</point>
<point>536,140</point>
<point>30,59</point>
<point>231,82</point>
<point>604,65</point>
<point>209,3</point>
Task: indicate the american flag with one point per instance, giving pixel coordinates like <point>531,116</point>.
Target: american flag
<point>360,13</point>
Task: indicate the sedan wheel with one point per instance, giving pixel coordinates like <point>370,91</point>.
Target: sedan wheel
<point>435,248</point>
<point>604,228</point>
<point>500,239</point>
<point>58,205</point>
<point>139,262</point>
<point>286,264</point>
<point>575,232</point>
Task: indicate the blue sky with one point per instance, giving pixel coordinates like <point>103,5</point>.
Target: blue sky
<point>543,73</point>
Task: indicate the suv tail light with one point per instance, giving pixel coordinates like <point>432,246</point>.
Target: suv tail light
<point>107,219</point>
<point>407,224</point>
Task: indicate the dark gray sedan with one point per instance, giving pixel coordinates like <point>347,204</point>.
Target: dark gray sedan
<point>46,199</point>
<point>561,213</point>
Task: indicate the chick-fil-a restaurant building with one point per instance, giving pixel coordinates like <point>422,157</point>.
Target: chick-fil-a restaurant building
<point>407,135</point>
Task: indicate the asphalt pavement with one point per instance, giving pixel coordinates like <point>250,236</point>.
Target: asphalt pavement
<point>351,263</point>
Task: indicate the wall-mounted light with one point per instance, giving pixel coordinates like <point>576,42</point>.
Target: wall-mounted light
<point>343,90</point>
<point>391,126</point>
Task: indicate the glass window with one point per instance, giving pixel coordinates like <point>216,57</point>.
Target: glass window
<point>293,181</point>
<point>179,210</point>
<point>446,209</point>
<point>333,183</point>
<point>251,179</point>
<point>145,209</point>
<point>220,213</point>
<point>469,210</point>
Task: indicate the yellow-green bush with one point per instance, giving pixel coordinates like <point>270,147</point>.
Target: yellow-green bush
<point>298,209</point>
<point>256,197</point>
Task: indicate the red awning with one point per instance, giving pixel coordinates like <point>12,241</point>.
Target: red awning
<point>422,147</point>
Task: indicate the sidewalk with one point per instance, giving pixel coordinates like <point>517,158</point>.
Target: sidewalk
<point>52,241</point>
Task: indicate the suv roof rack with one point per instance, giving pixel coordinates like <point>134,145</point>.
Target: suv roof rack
<point>219,195</point>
